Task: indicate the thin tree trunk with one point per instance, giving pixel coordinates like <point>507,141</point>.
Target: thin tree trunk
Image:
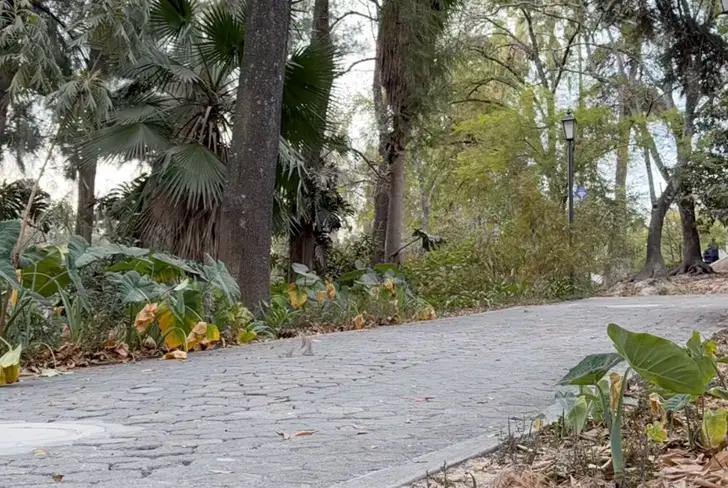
<point>247,211</point>
<point>395,219</point>
<point>382,183</point>
<point>654,263</point>
<point>302,246</point>
<point>650,177</point>
<point>424,194</point>
<point>617,268</point>
<point>302,238</point>
<point>86,180</point>
<point>5,80</point>
<point>381,214</point>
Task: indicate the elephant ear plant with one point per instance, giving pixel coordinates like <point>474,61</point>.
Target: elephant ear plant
<point>684,373</point>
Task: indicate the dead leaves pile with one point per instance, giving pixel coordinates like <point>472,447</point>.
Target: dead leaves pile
<point>681,468</point>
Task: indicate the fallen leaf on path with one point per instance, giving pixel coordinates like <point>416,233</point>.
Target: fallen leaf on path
<point>292,435</point>
<point>50,372</point>
<point>57,478</point>
<point>176,354</point>
<point>40,453</point>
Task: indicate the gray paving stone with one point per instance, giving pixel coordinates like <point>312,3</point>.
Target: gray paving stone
<point>385,403</point>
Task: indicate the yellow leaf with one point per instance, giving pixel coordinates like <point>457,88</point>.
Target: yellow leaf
<point>176,354</point>
<point>298,298</point>
<point>615,388</point>
<point>247,336</point>
<point>389,285</point>
<point>321,296</point>
<point>197,336</point>
<point>213,333</point>
<point>656,408</point>
<point>10,366</point>
<point>172,331</point>
<point>145,317</point>
<point>330,290</point>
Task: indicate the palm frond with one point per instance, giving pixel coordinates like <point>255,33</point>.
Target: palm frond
<point>222,37</point>
<point>127,142</point>
<point>193,175</point>
<point>309,76</point>
<point>172,19</point>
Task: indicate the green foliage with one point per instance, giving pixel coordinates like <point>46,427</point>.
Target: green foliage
<point>367,296</point>
<point>715,428</point>
<point>664,363</point>
<point>591,369</point>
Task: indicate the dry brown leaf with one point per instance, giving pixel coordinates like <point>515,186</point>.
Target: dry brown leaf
<point>359,322</point>
<point>57,477</point>
<point>145,317</point>
<point>292,435</point>
<point>176,354</point>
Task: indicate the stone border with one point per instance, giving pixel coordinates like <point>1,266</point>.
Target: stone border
<point>416,469</point>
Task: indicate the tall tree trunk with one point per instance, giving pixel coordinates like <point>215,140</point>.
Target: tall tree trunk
<point>86,183</point>
<point>692,258</point>
<point>381,214</point>
<point>424,194</point>
<point>395,219</point>
<point>302,237</point>
<point>247,210</point>
<point>5,79</point>
<point>617,267</point>
<point>381,185</point>
<point>654,263</point>
<point>650,177</point>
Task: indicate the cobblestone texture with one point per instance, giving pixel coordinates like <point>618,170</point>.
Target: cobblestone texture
<point>374,398</point>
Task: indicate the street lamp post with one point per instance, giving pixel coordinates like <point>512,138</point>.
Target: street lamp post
<point>569,123</point>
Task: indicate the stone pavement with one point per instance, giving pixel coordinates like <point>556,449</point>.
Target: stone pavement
<point>380,401</point>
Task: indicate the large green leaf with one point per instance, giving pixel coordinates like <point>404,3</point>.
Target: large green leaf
<point>591,369</point>
<point>44,271</point>
<point>9,232</point>
<point>215,273</point>
<point>159,266</point>
<point>661,361</point>
<point>95,253</point>
<point>135,288</point>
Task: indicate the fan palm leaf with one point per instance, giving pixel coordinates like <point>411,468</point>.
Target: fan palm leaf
<point>180,103</point>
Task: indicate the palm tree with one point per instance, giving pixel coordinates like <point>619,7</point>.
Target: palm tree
<point>406,68</point>
<point>177,115</point>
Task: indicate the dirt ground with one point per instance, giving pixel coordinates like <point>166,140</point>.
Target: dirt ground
<point>712,284</point>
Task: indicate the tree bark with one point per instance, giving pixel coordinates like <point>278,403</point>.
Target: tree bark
<point>617,268</point>
<point>86,182</point>
<point>654,263</point>
<point>381,185</point>
<point>692,258</point>
<point>424,194</point>
<point>381,214</point>
<point>395,213</point>
<point>247,211</point>
<point>302,238</point>
<point>5,80</point>
<point>302,246</point>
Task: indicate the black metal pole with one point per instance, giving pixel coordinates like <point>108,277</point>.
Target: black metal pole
<point>570,155</point>
<point>571,183</point>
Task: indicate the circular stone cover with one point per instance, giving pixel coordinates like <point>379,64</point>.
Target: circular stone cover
<point>20,437</point>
